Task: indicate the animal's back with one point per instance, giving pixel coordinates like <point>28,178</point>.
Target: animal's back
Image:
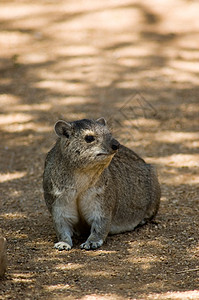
<point>136,189</point>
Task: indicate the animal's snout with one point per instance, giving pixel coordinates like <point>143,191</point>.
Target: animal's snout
<point>115,145</point>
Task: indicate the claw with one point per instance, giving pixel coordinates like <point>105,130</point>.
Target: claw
<point>88,245</point>
<point>62,246</point>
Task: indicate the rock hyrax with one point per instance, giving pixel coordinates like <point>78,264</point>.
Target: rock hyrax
<point>92,182</point>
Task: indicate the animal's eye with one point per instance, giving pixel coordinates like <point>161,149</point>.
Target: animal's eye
<point>89,138</point>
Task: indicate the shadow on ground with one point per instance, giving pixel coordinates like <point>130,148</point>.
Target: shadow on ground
<point>75,60</point>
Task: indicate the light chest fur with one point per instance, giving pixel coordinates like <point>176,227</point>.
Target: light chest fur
<point>76,206</point>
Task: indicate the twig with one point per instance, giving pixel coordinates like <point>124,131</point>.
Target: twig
<point>188,270</point>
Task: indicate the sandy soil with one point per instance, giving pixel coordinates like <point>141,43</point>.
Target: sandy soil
<point>137,64</point>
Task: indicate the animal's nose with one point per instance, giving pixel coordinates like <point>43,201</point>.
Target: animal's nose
<point>115,144</point>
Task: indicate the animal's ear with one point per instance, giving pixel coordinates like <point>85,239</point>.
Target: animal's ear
<point>101,121</point>
<point>63,129</point>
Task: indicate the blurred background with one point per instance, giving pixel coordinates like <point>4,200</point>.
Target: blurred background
<point>136,63</point>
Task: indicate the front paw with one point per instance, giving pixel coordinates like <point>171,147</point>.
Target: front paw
<point>62,246</point>
<point>88,245</point>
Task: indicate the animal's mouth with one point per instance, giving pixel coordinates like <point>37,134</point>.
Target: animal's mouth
<point>103,154</point>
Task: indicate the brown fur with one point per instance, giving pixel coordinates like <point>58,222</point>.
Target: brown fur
<point>90,179</point>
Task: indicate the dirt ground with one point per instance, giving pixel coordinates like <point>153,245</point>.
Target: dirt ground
<point>137,64</point>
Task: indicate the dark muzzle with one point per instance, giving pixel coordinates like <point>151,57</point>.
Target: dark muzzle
<point>115,145</point>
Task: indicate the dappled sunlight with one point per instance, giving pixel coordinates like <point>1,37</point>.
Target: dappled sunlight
<point>176,167</point>
<point>99,274</point>
<point>23,278</point>
<point>77,56</point>
<point>103,19</point>
<point>16,215</point>
<point>189,294</point>
<point>136,64</point>
<point>18,10</point>
<point>194,250</point>
<point>60,86</point>
<point>13,39</point>
<point>8,99</point>
<point>178,137</point>
<point>101,252</point>
<point>69,266</point>
<point>36,107</point>
<point>58,287</point>
<point>75,100</point>
<point>178,160</point>
<point>144,263</point>
<point>11,176</point>
<point>189,66</point>
<point>16,118</point>
<point>34,58</point>
<point>141,123</point>
<point>29,126</point>
<point>101,297</point>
